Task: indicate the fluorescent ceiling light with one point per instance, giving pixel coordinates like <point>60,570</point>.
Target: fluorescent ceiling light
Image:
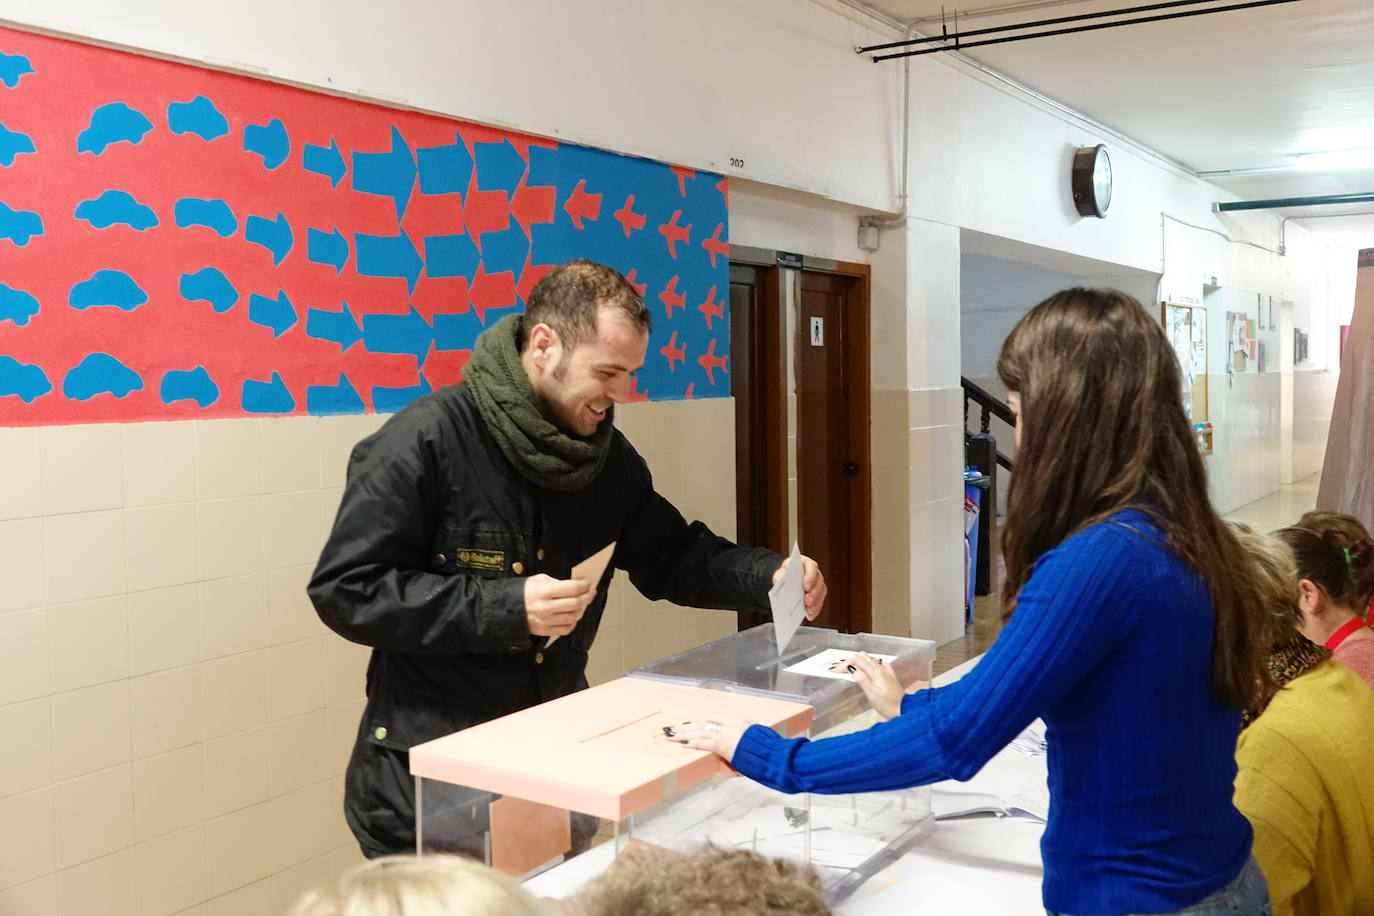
<point>1336,159</point>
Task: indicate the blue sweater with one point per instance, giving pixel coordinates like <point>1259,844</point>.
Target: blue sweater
<point>1110,644</point>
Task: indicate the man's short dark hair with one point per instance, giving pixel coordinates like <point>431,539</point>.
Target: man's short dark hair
<point>567,299</point>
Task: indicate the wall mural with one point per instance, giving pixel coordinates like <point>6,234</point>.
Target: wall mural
<point>177,242</point>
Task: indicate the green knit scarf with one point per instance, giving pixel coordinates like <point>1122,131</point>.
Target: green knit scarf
<point>540,451</point>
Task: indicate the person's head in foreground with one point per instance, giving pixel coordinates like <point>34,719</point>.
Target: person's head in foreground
<point>1335,559</point>
<point>646,881</point>
<point>431,885</point>
<point>1290,653</point>
<point>1097,392</point>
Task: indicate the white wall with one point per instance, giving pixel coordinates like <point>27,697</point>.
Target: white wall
<point>774,83</point>
<point>995,292</point>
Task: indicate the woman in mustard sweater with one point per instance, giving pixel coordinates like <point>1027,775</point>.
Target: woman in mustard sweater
<point>1304,761</point>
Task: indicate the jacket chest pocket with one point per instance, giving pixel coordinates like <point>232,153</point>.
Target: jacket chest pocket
<point>490,553</point>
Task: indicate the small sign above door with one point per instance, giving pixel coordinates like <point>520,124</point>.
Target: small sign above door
<point>790,260</point>
<point>817,332</point>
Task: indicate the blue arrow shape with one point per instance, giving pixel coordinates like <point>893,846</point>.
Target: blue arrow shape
<point>452,256</point>
<point>390,400</point>
<point>210,284</point>
<point>189,385</point>
<point>333,400</point>
<point>269,141</point>
<point>444,169</point>
<point>341,327</point>
<point>505,250</point>
<point>409,334</point>
<point>327,248</point>
<point>274,235</point>
<point>387,174</point>
<point>267,397</point>
<point>387,256</point>
<point>278,314</point>
<point>499,166</point>
<point>324,160</point>
<point>456,331</point>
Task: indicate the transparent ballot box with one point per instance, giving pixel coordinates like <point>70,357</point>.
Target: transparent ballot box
<point>563,787</point>
<point>549,782</point>
<point>748,662</point>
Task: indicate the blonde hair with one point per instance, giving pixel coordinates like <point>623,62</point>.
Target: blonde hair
<point>713,882</point>
<point>1276,580</point>
<point>431,885</point>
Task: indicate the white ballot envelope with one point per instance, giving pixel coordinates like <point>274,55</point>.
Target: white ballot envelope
<point>592,570</point>
<point>788,600</point>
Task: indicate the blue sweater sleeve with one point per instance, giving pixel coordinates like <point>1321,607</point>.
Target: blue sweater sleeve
<point>1068,617</point>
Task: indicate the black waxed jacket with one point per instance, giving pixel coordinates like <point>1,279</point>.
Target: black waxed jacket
<point>426,564</point>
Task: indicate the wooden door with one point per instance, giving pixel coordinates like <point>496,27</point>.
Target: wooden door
<point>833,473</point>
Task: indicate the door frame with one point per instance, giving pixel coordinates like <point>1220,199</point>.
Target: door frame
<point>776,385</point>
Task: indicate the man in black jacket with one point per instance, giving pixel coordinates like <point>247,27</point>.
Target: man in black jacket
<point>461,521</point>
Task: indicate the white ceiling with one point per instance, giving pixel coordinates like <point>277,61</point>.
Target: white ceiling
<point>1242,89</point>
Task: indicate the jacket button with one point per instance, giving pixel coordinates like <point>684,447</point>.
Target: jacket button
<point>379,733</point>
<point>539,554</point>
<point>517,567</point>
<point>539,658</point>
<point>440,559</point>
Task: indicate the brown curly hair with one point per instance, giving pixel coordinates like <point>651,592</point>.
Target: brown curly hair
<point>647,881</point>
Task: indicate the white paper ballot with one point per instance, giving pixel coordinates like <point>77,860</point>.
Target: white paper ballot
<point>788,601</point>
<point>819,664</point>
<point>590,569</point>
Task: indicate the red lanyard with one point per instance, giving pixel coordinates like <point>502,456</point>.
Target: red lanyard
<point>1338,637</point>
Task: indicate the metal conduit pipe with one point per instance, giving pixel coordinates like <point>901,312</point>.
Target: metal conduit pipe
<point>1325,200</point>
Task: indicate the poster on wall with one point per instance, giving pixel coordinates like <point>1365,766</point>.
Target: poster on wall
<point>1237,342</point>
<point>178,242</point>
<point>1186,328</point>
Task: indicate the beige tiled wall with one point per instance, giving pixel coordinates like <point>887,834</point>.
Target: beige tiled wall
<point>176,718</point>
<point>917,512</point>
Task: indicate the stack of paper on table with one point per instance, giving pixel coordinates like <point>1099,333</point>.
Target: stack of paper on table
<point>600,751</point>
<point>1014,783</point>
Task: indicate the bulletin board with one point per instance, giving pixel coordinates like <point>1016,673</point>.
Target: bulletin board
<point>178,242</point>
<point>1186,328</point>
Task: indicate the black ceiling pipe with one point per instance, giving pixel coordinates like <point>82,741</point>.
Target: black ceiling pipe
<point>1035,25</point>
<point>1325,200</point>
<point>958,45</point>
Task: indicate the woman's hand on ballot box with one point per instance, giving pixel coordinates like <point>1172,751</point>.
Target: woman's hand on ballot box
<point>718,734</point>
<point>878,682</point>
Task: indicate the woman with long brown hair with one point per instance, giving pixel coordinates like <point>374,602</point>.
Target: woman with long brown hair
<point>1134,630</point>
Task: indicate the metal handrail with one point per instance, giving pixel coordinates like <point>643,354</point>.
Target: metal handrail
<point>989,406</point>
